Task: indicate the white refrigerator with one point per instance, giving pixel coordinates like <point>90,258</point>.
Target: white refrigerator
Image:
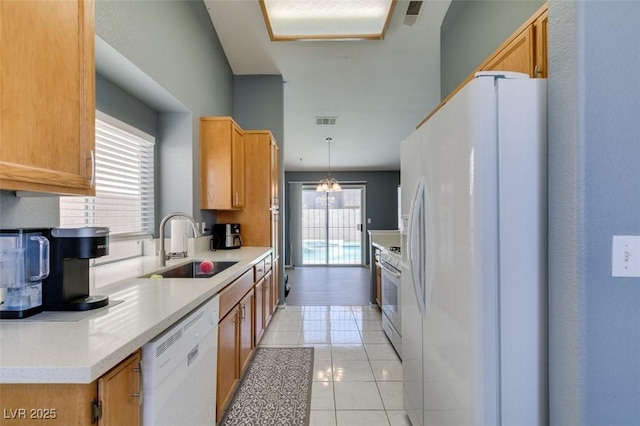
<point>474,304</point>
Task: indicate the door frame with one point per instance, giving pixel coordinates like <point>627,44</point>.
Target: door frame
<point>362,185</point>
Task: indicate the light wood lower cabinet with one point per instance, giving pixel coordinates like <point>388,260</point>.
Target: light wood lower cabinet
<point>114,399</point>
<point>120,391</point>
<point>245,337</point>
<point>236,340</point>
<point>269,307</point>
<point>259,325</point>
<point>228,361</point>
<point>275,292</point>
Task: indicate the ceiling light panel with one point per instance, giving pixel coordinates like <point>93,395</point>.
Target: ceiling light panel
<point>327,19</point>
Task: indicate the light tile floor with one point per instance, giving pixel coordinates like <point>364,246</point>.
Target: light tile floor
<point>357,378</point>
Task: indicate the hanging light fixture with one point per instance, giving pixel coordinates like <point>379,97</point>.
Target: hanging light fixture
<point>328,184</point>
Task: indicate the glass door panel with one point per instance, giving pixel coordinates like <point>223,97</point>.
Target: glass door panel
<point>332,230</point>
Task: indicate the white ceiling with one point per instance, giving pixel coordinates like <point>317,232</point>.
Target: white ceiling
<point>379,89</point>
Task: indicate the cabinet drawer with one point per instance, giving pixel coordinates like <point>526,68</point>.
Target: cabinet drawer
<point>258,271</point>
<point>267,264</point>
<point>231,295</point>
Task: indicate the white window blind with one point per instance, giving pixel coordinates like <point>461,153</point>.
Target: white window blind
<point>124,199</point>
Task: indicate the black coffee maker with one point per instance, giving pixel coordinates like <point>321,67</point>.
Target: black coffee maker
<point>67,286</point>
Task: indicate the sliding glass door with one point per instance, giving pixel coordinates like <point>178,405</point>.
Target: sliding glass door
<point>330,226</point>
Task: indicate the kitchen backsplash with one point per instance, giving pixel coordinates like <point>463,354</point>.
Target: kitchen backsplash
<point>30,211</point>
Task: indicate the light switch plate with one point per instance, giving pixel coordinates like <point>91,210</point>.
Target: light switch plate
<point>625,260</point>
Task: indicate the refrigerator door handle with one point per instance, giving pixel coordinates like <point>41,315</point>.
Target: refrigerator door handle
<point>416,244</point>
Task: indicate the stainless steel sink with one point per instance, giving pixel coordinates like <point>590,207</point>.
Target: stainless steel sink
<point>191,270</point>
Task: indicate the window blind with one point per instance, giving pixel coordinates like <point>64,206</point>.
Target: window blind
<point>124,199</point>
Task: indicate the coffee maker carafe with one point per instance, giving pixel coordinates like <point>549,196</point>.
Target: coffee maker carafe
<point>24,263</point>
<point>67,287</point>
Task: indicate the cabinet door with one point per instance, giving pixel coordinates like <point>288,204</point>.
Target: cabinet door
<point>246,329</point>
<point>378,282</point>
<point>54,404</point>
<point>275,226</point>
<point>275,283</point>
<point>540,30</point>
<point>275,174</point>
<point>228,369</point>
<point>120,393</point>
<point>221,164</point>
<point>47,82</point>
<point>268,298</point>
<point>259,302</point>
<point>237,167</point>
<point>518,55</point>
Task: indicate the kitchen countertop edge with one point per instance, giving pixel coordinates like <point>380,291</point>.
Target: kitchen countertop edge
<point>84,368</point>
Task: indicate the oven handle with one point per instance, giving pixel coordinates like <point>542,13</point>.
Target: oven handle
<point>390,271</point>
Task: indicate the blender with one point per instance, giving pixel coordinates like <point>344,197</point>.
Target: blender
<point>24,263</point>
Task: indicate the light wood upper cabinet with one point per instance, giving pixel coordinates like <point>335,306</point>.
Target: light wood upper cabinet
<point>222,164</point>
<point>525,51</point>
<point>261,171</point>
<point>47,87</point>
<point>540,34</point>
<point>518,55</point>
<point>275,173</point>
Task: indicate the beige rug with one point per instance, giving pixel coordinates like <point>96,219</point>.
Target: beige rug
<point>275,390</point>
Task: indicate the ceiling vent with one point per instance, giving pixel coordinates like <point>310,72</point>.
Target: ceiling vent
<point>413,10</point>
<point>325,120</point>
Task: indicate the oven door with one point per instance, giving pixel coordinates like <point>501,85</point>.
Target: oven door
<point>391,318</point>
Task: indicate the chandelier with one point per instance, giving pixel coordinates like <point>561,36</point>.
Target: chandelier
<point>328,184</point>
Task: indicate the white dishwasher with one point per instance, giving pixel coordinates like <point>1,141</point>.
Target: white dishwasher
<point>179,371</point>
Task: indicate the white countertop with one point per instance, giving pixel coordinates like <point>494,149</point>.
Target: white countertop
<point>383,239</point>
<point>79,347</point>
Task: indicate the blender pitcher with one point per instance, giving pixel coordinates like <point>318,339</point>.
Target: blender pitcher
<point>24,263</point>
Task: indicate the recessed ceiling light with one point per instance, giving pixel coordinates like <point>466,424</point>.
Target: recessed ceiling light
<point>326,19</point>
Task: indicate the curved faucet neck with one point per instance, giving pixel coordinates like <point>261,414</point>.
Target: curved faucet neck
<point>162,257</point>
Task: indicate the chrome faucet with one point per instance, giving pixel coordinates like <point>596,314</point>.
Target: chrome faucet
<point>162,256</point>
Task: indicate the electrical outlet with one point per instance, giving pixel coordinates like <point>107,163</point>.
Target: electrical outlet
<point>204,226</point>
<point>625,260</point>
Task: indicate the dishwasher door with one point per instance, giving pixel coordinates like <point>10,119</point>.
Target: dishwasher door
<point>179,371</point>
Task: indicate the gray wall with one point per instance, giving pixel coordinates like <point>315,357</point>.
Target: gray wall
<point>114,101</point>
<point>472,30</point>
<point>594,158</point>
<point>175,45</point>
<point>381,204</point>
<point>258,104</point>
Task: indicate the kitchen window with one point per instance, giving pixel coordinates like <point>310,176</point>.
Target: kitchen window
<point>124,199</point>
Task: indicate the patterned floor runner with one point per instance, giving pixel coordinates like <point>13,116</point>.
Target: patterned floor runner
<point>275,390</point>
